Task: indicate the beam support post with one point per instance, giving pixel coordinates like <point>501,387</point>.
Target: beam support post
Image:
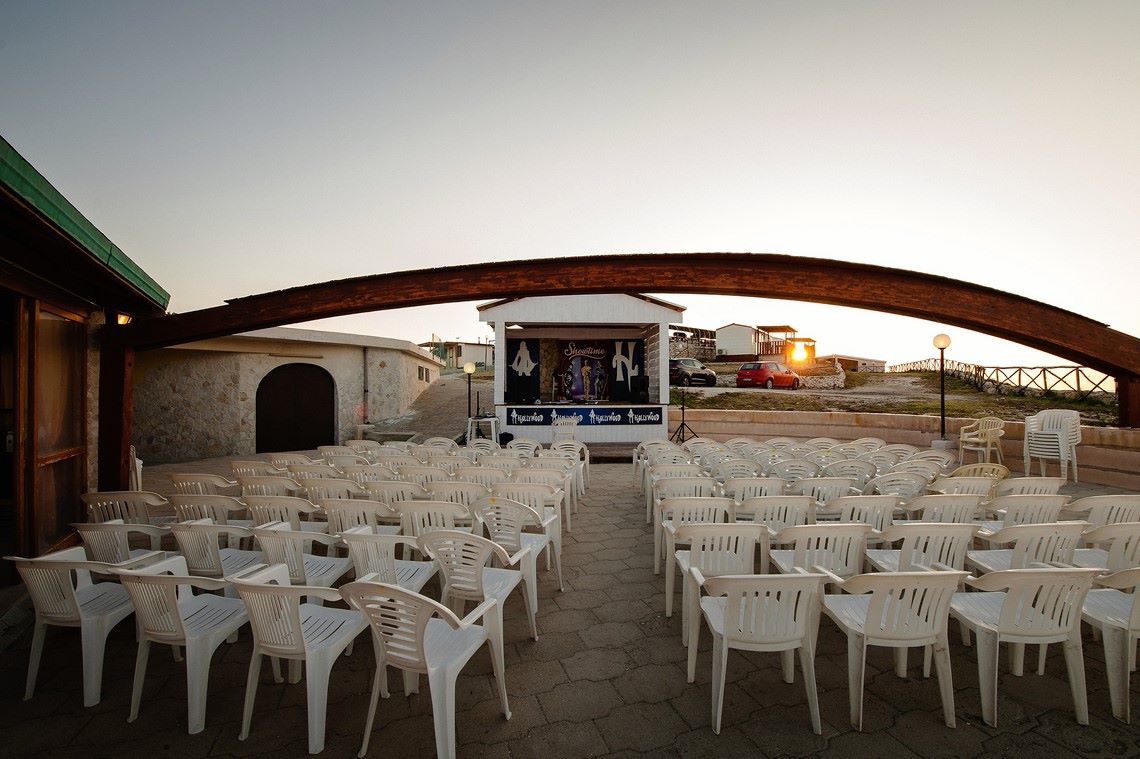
<point>1128,400</point>
<point>116,415</point>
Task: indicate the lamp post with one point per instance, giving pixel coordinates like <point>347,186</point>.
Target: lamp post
<point>942,342</point>
<point>469,369</point>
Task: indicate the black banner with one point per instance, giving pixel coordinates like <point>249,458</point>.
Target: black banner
<point>542,416</point>
<point>522,371</point>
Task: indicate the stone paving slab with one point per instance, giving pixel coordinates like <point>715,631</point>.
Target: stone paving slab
<point>605,678</point>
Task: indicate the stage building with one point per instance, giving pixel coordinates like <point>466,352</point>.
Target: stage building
<point>601,358</point>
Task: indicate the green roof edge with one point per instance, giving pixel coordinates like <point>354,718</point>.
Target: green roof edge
<point>35,190</point>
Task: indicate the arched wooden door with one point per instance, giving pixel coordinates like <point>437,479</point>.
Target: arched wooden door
<point>296,409</point>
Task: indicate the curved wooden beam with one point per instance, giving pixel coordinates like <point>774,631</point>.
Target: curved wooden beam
<point>897,291</point>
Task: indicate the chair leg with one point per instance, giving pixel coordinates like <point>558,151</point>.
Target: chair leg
<point>295,670</point>
<point>317,697</point>
<point>442,686</point>
<point>378,680</point>
<point>856,662</point>
<point>965,630</point>
<point>198,657</point>
<point>1042,650</point>
<point>530,591</point>
<point>140,677</point>
<point>719,664</point>
<point>556,549</point>
<point>657,537</point>
<point>494,627</point>
<point>669,580</point>
<point>34,659</point>
<point>945,678</point>
<point>275,665</point>
<point>900,655</point>
<point>94,640</point>
<point>1116,666</point>
<point>1075,663</point>
<point>686,581</point>
<point>694,624</point>
<point>788,665</point>
<point>1017,659</point>
<point>250,694</point>
<point>987,645</point>
<point>926,656</point>
<point>807,664</point>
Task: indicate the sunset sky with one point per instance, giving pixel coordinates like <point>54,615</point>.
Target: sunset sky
<point>234,148</point>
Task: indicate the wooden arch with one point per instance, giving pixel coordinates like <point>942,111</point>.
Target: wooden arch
<point>983,309</point>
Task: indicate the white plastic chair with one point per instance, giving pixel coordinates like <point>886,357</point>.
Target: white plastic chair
<point>1052,434</point>
<point>446,443</point>
<point>199,541</point>
<point>504,521</point>
<point>925,546</point>
<point>928,469</point>
<point>95,608</point>
<point>823,490</point>
<point>676,512</point>
<point>901,449</point>
<point>856,469</point>
<point>905,485</point>
<point>982,437</point>
<point>314,471</point>
<point>558,474</point>
<point>282,460</point>
<point>958,509</point>
<point>362,473</point>
<point>777,511</point>
<point>898,610</point>
<point>202,484</point>
<point>481,475</point>
<point>715,549</point>
<point>836,546</point>
<point>1116,613</point>
<point>793,470</point>
<point>393,491</point>
<point>280,485</point>
<point>168,612</point>
<point>659,472</point>
<point>131,506</point>
<point>265,509</point>
<point>873,443</point>
<point>1099,510</point>
<point>220,508</point>
<point>981,486</point>
<point>1022,606</point>
<point>1123,551</point>
<point>580,452</point>
<point>741,489</point>
<point>458,491</point>
<point>874,510</point>
<point>1028,486</point>
<point>762,613</point>
<point>1033,545</point>
<point>463,559</point>
<point>284,546</point>
<point>946,459</point>
<point>675,487</point>
<point>109,542</point>
<point>994,471</point>
<point>285,628</point>
<point>346,513</point>
<point>547,502</point>
<point>526,446</point>
<point>255,469</point>
<point>1021,509</point>
<point>420,636</point>
<point>374,554</point>
<point>317,489</point>
<point>422,475</point>
<point>882,459</point>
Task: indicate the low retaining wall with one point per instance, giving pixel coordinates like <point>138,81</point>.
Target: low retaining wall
<point>1106,455</point>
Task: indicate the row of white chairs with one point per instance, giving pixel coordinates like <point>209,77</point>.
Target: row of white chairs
<point>1041,603</point>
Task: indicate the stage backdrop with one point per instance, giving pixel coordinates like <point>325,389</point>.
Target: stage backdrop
<point>599,370</point>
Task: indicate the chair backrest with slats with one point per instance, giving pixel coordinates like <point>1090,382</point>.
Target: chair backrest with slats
<point>1040,605</point>
<point>874,510</point>
<point>928,469</point>
<point>374,554</point>
<point>768,611</point>
<point>696,510</point>
<point>1099,510</point>
<point>794,470</point>
<point>313,471</point>
<point>1054,542</point>
<point>284,546</point>
<point>559,480</point>
<point>945,459</point>
<point>399,620</point>
<point>323,488</point>
<point>268,485</point>
<point>525,445</point>
<point>394,491</point>
<point>1123,540</point>
<point>981,486</point>
<point>777,511</point>
<point>274,609</point>
<point>856,469</point>
<point>906,485</point>
<point>255,469</point>
<point>264,509</point>
<point>508,463</point>
<point>532,494</point>
<point>958,509</point>
<point>837,546</point>
<point>108,542</point>
<point>982,469</point>
<point>679,487</point>
<point>395,459</point>
<point>823,489</point>
<point>724,549</point>
<point>1028,486</point>
<point>902,449</point>
<point>483,475</point>
<point>285,460</point>
<point>505,520</point>
<point>50,586</point>
<point>1028,509</point>
<point>219,508</point>
<point>883,460</point>
<point>346,513</point>
<point>155,591</point>
<point>362,473</point>
<point>422,475</point>
<point>925,544</point>
<point>743,488</point>
<point>908,607</point>
<point>727,470</point>
<point>200,484</point>
<point>419,517</point>
<point>461,557</point>
<point>198,541</point>
<point>458,491</point>
<point>131,506</point>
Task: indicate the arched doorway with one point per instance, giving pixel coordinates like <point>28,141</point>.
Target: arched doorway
<point>296,409</point>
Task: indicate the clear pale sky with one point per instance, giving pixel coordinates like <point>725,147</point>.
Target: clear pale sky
<point>234,148</point>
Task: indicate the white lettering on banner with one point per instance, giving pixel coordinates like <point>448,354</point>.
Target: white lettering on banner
<point>626,369</point>
<point>518,418</point>
<point>652,416</point>
<point>612,417</point>
<point>590,351</point>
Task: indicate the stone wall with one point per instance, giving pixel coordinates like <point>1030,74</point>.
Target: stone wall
<point>193,403</point>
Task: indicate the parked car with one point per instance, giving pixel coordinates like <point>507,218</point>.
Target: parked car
<point>689,371</point>
<point>767,374</point>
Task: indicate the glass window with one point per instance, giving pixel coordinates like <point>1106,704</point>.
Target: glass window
<point>60,358</point>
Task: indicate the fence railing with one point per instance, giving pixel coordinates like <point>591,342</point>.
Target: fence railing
<point>1080,381</point>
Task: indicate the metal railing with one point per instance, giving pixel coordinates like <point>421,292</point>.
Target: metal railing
<point>1079,381</point>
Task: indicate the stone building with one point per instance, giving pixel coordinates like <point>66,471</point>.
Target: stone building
<point>271,390</point>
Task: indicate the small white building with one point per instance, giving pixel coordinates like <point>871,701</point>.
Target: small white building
<point>736,339</point>
<point>601,358</point>
<point>277,389</point>
<point>854,363</point>
<point>456,353</point>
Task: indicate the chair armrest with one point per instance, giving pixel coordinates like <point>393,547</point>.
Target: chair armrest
<point>206,583</point>
<point>515,558</point>
<point>478,613</point>
<point>1122,580</point>
<point>697,576</point>
<point>832,578</point>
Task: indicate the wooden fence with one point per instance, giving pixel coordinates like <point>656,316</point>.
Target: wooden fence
<point>1079,381</point>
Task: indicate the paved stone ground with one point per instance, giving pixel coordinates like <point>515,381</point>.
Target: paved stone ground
<point>605,678</point>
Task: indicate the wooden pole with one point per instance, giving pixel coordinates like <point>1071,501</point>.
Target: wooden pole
<point>116,390</point>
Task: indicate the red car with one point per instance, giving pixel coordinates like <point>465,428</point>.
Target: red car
<point>767,374</point>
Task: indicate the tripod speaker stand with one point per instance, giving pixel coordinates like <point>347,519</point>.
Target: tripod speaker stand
<point>683,429</point>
